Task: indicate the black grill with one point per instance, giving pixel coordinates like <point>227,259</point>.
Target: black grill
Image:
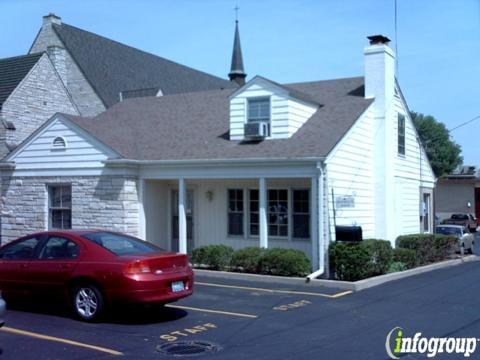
<point>188,348</point>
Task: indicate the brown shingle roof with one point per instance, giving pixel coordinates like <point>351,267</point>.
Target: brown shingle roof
<point>195,125</point>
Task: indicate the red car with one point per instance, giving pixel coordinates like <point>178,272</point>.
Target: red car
<point>93,269</point>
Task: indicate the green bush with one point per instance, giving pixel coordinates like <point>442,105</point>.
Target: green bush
<point>397,266</point>
<point>380,252</point>
<point>349,261</point>
<point>405,256</point>
<point>247,259</point>
<point>215,257</point>
<point>284,262</point>
<point>428,248</point>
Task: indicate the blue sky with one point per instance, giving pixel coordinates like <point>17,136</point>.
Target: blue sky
<point>290,41</point>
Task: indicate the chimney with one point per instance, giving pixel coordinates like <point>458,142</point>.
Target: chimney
<point>57,55</point>
<point>52,19</point>
<point>379,71</point>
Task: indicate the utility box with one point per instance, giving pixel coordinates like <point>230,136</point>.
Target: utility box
<point>348,233</point>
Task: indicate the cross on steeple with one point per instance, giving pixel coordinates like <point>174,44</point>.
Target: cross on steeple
<point>236,8</point>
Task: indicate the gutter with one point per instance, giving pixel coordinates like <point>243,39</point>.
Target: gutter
<point>321,225</point>
<point>202,162</point>
<point>7,165</point>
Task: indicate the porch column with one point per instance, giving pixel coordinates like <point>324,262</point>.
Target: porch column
<point>262,213</point>
<point>182,218</point>
<point>314,211</point>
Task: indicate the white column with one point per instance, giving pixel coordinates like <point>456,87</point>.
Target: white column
<point>142,232</point>
<point>182,218</point>
<point>314,221</point>
<point>262,213</point>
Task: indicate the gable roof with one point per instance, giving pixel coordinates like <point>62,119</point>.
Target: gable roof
<point>195,126</point>
<point>112,67</point>
<point>12,71</point>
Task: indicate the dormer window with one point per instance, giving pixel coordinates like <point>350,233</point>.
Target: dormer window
<point>259,109</point>
<point>59,143</point>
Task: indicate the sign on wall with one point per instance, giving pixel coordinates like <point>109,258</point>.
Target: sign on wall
<point>345,201</point>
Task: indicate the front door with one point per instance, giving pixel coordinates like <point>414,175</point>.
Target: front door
<point>189,213</point>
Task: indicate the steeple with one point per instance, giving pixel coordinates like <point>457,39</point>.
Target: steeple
<point>237,73</point>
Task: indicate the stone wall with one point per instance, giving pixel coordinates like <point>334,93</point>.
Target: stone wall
<point>86,99</point>
<point>37,98</point>
<point>107,202</point>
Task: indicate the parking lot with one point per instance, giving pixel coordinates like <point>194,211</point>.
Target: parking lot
<point>246,320</point>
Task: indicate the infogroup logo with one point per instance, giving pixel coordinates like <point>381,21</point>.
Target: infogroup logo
<point>397,344</point>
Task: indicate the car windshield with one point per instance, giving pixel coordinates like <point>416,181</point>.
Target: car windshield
<point>121,244</point>
<point>445,230</point>
<point>459,217</point>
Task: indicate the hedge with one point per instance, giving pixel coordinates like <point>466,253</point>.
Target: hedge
<point>381,256</point>
<point>247,259</point>
<point>349,261</point>
<point>282,262</point>
<point>428,248</point>
<point>215,257</point>
<point>405,256</point>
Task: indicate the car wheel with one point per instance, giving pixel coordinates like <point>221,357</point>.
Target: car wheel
<point>88,302</point>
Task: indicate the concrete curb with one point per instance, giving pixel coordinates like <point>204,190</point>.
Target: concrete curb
<point>340,285</point>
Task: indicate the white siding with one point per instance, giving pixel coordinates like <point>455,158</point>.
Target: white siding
<point>80,152</point>
<point>287,114</point>
<point>350,172</point>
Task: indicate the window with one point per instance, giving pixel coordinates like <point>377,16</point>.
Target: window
<point>301,214</point>
<point>401,134</point>
<point>21,250</point>
<point>235,212</point>
<point>59,248</point>
<point>278,212</point>
<point>259,109</point>
<point>60,206</point>
<point>121,244</point>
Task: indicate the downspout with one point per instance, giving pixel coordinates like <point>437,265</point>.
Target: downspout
<point>321,224</point>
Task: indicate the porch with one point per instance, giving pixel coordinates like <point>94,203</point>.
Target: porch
<point>183,213</point>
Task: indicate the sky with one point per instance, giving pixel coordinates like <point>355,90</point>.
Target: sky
<point>438,42</point>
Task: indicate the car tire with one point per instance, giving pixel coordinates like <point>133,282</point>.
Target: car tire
<point>88,302</point>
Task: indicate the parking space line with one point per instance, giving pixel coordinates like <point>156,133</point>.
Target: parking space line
<point>212,311</point>
<point>60,340</point>
<point>291,292</point>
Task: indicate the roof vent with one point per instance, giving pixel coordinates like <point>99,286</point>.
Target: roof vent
<point>59,143</point>
<point>378,39</point>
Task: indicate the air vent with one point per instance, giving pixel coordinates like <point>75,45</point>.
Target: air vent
<point>256,130</point>
<point>59,143</point>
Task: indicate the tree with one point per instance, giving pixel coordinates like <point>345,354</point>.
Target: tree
<point>443,153</point>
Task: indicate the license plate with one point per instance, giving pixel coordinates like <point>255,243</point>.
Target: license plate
<point>178,286</point>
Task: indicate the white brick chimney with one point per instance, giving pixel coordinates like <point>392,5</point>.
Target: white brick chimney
<point>52,19</point>
<point>379,71</point>
<point>57,55</point>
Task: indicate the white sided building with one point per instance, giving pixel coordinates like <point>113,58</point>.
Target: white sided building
<point>260,164</point>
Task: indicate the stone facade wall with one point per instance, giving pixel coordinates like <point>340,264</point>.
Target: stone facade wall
<point>37,98</point>
<point>106,202</point>
<point>84,96</point>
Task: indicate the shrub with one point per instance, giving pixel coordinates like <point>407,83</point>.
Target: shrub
<point>215,257</point>
<point>397,266</point>
<point>405,256</point>
<point>380,252</point>
<point>349,260</point>
<point>428,248</point>
<point>247,259</point>
<point>284,262</point>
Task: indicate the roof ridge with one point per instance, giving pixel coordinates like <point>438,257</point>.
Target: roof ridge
<point>137,49</point>
<point>324,80</point>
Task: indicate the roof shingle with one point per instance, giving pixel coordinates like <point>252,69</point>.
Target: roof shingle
<point>195,125</point>
<point>112,67</point>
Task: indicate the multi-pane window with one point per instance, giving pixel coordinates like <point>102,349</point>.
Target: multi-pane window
<point>235,212</point>
<point>401,134</point>
<point>60,206</point>
<point>254,217</point>
<point>259,109</point>
<point>301,214</point>
<point>278,212</point>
